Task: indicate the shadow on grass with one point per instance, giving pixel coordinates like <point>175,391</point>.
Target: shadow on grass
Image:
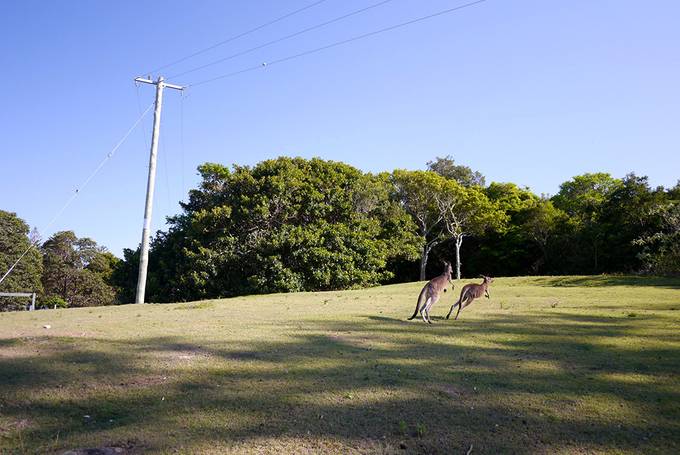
<point>538,386</point>
<point>608,280</point>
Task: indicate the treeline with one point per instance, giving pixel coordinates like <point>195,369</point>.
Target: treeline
<point>292,224</point>
<point>64,271</point>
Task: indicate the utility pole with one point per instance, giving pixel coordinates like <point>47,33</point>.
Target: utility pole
<point>151,183</point>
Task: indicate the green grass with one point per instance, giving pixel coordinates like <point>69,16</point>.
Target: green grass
<point>548,365</point>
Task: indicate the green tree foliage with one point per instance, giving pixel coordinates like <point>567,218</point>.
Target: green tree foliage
<point>583,199</point>
<point>51,302</point>
<point>287,224</point>
<point>77,270</point>
<point>510,249</point>
<point>584,195</point>
<point>590,226</point>
<point>14,240</point>
<point>447,167</point>
<point>673,194</point>
<point>416,192</point>
<point>467,212</point>
<point>541,223</point>
<point>291,224</point>
<point>124,275</point>
<point>632,211</point>
<point>661,250</point>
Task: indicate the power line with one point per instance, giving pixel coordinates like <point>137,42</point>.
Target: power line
<point>78,189</point>
<point>247,32</point>
<point>335,44</point>
<point>278,40</point>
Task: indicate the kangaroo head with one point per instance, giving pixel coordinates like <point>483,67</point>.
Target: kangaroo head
<point>487,279</point>
<point>448,270</point>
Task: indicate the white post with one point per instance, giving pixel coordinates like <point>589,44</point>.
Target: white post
<point>148,208</point>
<point>150,186</point>
<point>32,308</point>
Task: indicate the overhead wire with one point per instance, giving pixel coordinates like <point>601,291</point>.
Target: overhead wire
<point>79,189</point>
<point>283,38</point>
<point>235,37</point>
<point>335,44</point>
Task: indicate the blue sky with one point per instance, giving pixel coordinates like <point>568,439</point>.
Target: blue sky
<point>528,91</point>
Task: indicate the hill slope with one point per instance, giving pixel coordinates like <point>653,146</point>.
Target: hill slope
<point>548,365</point>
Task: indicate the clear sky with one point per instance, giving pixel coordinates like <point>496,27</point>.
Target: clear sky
<point>528,91</point>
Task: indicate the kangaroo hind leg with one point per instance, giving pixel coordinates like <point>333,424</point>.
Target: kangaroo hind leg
<point>465,302</point>
<point>433,300</point>
<point>452,307</point>
<point>424,308</point>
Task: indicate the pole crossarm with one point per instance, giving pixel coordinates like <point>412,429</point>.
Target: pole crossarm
<point>165,84</point>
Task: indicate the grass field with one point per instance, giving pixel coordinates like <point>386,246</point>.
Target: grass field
<point>547,365</point>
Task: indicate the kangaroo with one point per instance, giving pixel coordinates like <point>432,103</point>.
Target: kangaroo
<point>431,293</point>
<point>469,293</point>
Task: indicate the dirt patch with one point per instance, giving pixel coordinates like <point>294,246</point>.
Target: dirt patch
<point>347,338</point>
<point>245,355</point>
<point>127,448</point>
<point>339,337</point>
<point>184,355</point>
<point>451,391</point>
<point>144,381</point>
<point>97,451</point>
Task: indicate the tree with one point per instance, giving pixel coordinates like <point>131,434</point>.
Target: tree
<point>541,225</point>
<point>286,224</point>
<point>446,167</point>
<point>14,240</point>
<point>661,250</point>
<point>510,198</point>
<point>466,212</point>
<point>77,270</point>
<point>673,194</point>
<point>417,192</point>
<point>507,251</point>
<point>583,198</point>
<point>632,211</point>
<point>584,194</point>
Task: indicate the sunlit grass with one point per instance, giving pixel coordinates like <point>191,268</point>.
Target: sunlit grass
<point>547,365</point>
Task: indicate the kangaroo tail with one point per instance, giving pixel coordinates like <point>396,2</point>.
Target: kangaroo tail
<point>420,298</point>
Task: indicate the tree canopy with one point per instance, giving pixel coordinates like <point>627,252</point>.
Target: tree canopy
<point>447,167</point>
<point>284,225</point>
<point>14,241</point>
<point>293,224</point>
<point>77,270</point>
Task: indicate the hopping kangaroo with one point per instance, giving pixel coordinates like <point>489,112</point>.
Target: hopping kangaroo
<point>469,293</point>
<point>431,293</point>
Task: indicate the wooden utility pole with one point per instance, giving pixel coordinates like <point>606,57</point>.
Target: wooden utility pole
<point>151,182</point>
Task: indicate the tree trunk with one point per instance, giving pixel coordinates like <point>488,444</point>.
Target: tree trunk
<point>423,261</point>
<point>459,242</point>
